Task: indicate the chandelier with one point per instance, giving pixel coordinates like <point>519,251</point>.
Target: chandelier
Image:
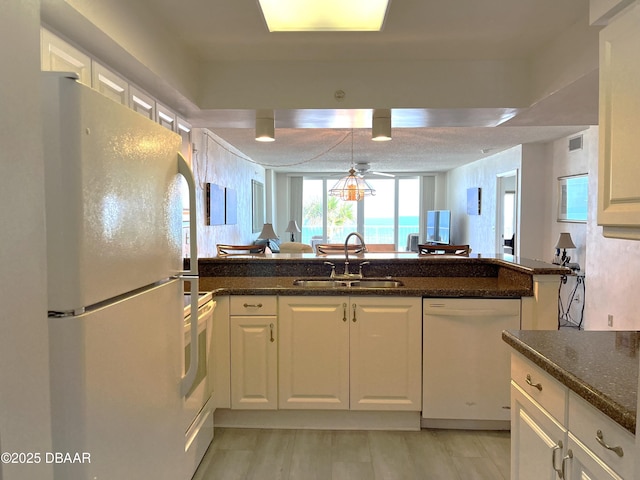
<point>353,187</point>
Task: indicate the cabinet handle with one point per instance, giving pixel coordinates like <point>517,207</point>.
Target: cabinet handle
<point>271,327</point>
<point>252,305</point>
<point>557,446</point>
<point>354,319</point>
<point>600,438</point>
<point>535,385</point>
<point>563,473</point>
<point>344,312</point>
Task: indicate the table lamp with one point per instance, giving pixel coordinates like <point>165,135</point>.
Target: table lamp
<point>292,228</point>
<point>268,234</point>
<point>564,242</point>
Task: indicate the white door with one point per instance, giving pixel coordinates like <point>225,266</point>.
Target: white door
<point>115,388</point>
<point>112,197</point>
<point>386,347</point>
<point>314,353</point>
<point>507,213</point>
<point>254,358</point>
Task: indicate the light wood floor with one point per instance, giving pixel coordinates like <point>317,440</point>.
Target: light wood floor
<point>353,455</point>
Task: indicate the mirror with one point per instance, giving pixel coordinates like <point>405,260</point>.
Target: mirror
<point>257,205</point>
<point>573,194</point>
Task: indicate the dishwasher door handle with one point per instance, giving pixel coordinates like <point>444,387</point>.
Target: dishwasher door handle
<point>460,312</point>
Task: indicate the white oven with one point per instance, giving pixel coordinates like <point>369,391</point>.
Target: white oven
<point>198,410</point>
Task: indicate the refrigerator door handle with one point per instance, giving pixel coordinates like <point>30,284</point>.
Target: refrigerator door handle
<point>185,171</point>
<point>190,376</point>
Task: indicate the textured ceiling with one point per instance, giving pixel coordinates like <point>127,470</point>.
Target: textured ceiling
<point>424,140</point>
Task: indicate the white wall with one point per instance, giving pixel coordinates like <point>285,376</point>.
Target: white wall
<point>219,163</point>
<point>479,231</point>
<point>612,272</point>
<point>567,163</point>
<point>535,181</point>
<point>24,377</point>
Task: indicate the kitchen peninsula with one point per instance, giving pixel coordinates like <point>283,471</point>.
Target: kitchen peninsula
<point>339,354</point>
<point>498,276</point>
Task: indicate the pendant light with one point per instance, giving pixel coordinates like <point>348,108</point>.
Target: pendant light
<point>265,126</point>
<point>381,125</point>
<point>353,187</point>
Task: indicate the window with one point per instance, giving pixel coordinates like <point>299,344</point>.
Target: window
<point>388,217</point>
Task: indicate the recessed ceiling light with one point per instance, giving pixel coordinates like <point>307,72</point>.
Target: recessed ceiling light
<point>324,15</point>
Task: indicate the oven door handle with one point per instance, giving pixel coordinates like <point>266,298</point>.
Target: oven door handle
<point>188,380</point>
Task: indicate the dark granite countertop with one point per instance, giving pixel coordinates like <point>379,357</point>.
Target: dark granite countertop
<point>436,265</point>
<point>601,367</point>
<point>501,276</point>
<point>488,287</point>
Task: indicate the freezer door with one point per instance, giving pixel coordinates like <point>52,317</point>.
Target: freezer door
<point>115,388</point>
<point>113,206</point>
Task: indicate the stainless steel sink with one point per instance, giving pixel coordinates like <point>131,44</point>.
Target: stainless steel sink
<point>373,283</point>
<point>347,282</point>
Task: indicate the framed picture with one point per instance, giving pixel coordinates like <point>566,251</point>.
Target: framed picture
<point>257,205</point>
<point>231,206</point>
<point>573,194</point>
<point>215,204</point>
<point>474,201</point>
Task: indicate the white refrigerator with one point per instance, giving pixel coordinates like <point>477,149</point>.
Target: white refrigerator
<point>115,288</point>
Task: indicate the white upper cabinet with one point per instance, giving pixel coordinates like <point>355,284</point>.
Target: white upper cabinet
<point>109,84</point>
<point>166,118</point>
<point>142,103</point>
<point>619,169</point>
<point>56,55</point>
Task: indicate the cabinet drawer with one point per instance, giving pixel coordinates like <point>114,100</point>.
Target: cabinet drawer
<point>253,305</point>
<point>542,387</point>
<point>585,421</point>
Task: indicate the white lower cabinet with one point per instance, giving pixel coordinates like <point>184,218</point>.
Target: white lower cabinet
<point>582,464</point>
<point>254,352</point>
<point>575,442</point>
<point>538,436</point>
<point>358,353</point>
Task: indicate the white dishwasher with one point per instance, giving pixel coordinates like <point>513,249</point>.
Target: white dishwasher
<point>466,365</point>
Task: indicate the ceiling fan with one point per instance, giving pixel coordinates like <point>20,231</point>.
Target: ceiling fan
<point>363,168</point>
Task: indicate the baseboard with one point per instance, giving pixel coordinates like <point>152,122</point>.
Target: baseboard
<point>317,419</point>
<point>451,424</point>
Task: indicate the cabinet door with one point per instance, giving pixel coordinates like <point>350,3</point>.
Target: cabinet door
<point>56,55</point>
<point>142,103</point>
<point>618,190</point>
<point>109,84</point>
<point>538,441</point>
<point>314,353</point>
<point>582,464</point>
<point>385,353</point>
<point>254,357</point>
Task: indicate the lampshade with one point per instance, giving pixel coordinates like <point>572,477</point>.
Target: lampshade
<point>565,241</point>
<point>352,188</point>
<point>381,125</point>
<point>292,227</point>
<point>265,126</point>
<point>267,232</point>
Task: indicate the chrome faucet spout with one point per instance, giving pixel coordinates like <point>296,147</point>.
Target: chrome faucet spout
<point>346,251</point>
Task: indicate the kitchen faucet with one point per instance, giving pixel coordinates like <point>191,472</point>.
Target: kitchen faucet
<point>346,255</point>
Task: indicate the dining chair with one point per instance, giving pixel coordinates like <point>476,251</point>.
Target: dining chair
<point>226,250</point>
<point>459,250</point>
